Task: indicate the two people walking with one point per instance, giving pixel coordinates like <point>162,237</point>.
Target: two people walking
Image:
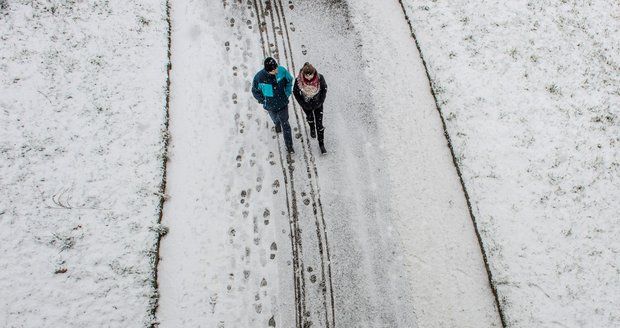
<point>273,85</point>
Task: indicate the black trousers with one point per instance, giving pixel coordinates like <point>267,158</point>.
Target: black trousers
<point>315,119</point>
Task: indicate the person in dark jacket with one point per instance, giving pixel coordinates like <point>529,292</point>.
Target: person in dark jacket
<point>272,86</point>
<point>310,90</point>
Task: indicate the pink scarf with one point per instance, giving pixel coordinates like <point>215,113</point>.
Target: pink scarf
<point>309,88</point>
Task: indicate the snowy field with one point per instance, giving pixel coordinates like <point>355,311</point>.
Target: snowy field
<point>530,94</point>
<point>81,115</point>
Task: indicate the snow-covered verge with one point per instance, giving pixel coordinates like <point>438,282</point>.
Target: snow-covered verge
<point>81,114</point>
<point>529,91</point>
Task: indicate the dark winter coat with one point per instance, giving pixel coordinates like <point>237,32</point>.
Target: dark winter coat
<point>272,91</point>
<point>314,102</point>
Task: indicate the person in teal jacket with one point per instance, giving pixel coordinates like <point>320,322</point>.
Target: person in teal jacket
<point>272,86</point>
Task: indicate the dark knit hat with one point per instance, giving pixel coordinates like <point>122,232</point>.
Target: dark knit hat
<point>270,64</point>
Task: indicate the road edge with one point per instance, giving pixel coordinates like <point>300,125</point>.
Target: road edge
<point>161,231</point>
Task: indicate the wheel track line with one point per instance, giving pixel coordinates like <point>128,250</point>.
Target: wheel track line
<point>310,168</point>
<point>260,28</point>
<point>291,206</point>
<point>259,14</point>
<point>298,271</point>
<point>269,8</point>
<point>269,5</point>
<point>294,243</point>
<point>316,203</point>
<point>295,218</point>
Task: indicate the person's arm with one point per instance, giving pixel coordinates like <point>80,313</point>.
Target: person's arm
<point>297,93</point>
<point>289,83</point>
<point>323,91</point>
<point>256,92</point>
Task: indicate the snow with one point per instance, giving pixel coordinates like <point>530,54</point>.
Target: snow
<point>81,111</point>
<point>377,233</point>
<point>530,95</point>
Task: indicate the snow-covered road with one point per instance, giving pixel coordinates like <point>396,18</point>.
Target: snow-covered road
<point>375,234</point>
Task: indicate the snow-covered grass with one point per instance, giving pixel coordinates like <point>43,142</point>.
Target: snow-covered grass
<point>81,114</point>
<point>530,94</point>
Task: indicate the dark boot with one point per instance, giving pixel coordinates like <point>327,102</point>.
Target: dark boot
<point>321,143</point>
<point>312,129</point>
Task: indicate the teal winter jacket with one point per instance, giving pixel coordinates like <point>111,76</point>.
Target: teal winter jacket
<point>272,91</point>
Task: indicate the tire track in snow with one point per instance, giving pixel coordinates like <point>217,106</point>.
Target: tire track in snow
<point>317,211</point>
<point>311,168</point>
<point>293,213</point>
